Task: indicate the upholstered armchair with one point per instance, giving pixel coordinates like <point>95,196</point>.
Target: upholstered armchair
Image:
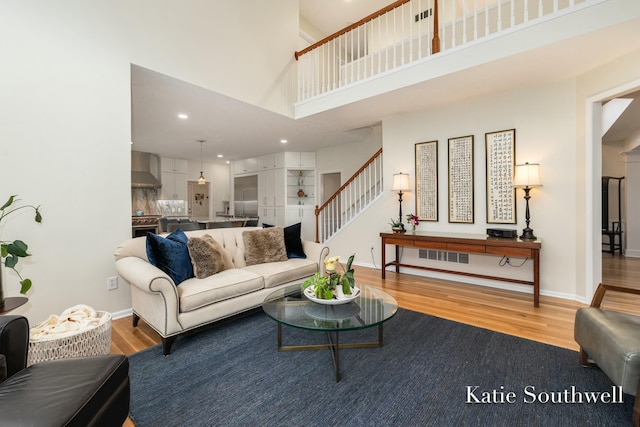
<point>84,391</point>
<point>611,341</point>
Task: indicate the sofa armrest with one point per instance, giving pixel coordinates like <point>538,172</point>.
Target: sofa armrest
<point>154,297</point>
<point>14,343</point>
<point>316,252</point>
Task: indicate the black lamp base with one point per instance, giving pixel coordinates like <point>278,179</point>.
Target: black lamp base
<point>527,234</point>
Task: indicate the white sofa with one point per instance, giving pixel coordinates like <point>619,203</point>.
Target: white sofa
<point>173,310</point>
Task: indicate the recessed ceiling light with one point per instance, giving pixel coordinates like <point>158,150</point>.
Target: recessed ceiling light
<point>220,156</point>
<point>183,116</point>
<point>283,141</point>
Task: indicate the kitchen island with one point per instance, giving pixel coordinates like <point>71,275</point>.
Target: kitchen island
<point>169,224</point>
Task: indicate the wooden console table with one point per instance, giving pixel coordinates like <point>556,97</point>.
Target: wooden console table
<point>472,243</point>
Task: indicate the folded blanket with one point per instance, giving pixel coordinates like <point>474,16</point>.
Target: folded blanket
<point>72,321</point>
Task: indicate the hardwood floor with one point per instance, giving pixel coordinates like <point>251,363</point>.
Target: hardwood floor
<point>503,311</point>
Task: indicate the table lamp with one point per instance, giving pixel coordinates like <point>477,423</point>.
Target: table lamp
<point>527,176</point>
<point>400,184</point>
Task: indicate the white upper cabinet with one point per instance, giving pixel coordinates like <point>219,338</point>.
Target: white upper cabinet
<point>173,165</point>
<point>271,161</point>
<point>245,166</point>
<point>297,159</point>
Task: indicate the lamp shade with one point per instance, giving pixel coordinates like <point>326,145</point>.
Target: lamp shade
<point>400,182</point>
<point>527,175</point>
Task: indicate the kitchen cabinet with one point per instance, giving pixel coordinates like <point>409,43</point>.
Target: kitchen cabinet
<point>173,165</point>
<point>300,159</point>
<point>271,187</point>
<point>271,196</point>
<point>173,175</point>
<point>245,166</point>
<point>271,215</point>
<point>174,186</point>
<point>271,161</point>
<point>305,215</point>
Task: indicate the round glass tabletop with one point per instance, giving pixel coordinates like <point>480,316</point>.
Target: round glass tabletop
<point>291,307</point>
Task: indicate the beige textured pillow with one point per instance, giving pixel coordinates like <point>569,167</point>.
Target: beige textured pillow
<point>207,256</point>
<point>265,245</point>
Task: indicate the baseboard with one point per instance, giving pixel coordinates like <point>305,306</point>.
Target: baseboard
<point>480,282</point>
<point>122,313</point>
<point>632,253</point>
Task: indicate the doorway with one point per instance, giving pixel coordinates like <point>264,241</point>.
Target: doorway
<point>330,182</point>
<point>593,193</point>
<point>198,201</point>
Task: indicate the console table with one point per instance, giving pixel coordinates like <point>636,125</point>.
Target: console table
<point>472,243</point>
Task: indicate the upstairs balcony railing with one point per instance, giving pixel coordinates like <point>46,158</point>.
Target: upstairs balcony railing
<point>409,31</point>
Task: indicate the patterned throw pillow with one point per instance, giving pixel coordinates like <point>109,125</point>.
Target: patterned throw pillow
<point>264,245</point>
<point>207,256</point>
<point>292,240</point>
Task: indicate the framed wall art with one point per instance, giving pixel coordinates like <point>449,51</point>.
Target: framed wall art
<point>427,181</point>
<point>461,197</point>
<point>500,163</point>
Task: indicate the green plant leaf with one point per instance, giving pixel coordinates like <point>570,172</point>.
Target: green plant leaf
<point>18,248</point>
<point>10,261</point>
<point>310,281</point>
<point>26,285</point>
<point>350,261</point>
<point>346,286</point>
<point>9,202</point>
<point>348,276</point>
<point>38,217</point>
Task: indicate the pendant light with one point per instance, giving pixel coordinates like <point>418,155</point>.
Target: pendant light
<point>201,180</point>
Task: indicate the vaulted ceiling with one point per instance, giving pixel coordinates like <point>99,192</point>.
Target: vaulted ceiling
<point>244,130</point>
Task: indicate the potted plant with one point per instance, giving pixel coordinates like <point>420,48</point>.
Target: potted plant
<point>11,252</point>
<point>325,287</point>
<point>397,226</point>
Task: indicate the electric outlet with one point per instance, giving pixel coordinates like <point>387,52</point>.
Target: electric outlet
<point>112,283</point>
<point>507,261</point>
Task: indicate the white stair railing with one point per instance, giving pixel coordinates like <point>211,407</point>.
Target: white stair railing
<point>351,199</point>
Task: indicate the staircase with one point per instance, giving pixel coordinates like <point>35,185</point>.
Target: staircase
<point>350,200</point>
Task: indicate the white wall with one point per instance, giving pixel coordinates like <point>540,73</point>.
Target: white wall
<point>65,125</point>
<point>544,119</point>
<point>65,144</point>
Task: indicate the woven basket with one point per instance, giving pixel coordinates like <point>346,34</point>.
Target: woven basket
<point>90,342</point>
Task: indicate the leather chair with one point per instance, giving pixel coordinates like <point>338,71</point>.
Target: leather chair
<point>85,391</point>
<point>611,341</point>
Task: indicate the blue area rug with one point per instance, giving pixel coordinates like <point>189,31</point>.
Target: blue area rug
<point>233,375</point>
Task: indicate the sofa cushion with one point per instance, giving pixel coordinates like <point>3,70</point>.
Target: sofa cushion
<point>170,254</point>
<point>196,293</point>
<point>277,273</point>
<point>207,256</point>
<point>292,240</point>
<point>264,245</point>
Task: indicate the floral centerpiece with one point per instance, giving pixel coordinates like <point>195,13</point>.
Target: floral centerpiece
<point>413,221</point>
<point>11,252</point>
<point>324,287</point>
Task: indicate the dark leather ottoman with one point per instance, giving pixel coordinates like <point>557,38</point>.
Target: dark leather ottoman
<point>85,391</point>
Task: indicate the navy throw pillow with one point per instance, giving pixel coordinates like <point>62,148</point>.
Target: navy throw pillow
<point>171,255</point>
<point>292,240</point>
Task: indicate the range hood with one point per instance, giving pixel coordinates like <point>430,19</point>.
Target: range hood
<point>141,176</point>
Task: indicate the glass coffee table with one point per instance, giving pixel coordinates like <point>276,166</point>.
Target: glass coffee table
<point>288,306</point>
